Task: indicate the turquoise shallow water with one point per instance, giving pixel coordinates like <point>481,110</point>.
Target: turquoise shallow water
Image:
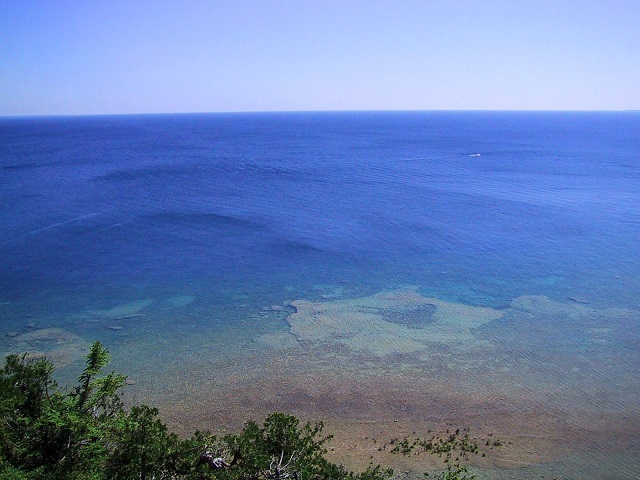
<point>182,241</point>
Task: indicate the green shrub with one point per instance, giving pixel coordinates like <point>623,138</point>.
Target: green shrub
<point>47,433</point>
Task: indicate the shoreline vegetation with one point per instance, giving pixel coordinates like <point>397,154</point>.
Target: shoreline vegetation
<point>86,432</point>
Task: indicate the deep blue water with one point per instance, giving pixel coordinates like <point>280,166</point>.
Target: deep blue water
<point>213,217</point>
<point>109,205</point>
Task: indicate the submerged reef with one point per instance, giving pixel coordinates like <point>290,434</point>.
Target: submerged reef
<point>394,322</point>
<point>57,344</point>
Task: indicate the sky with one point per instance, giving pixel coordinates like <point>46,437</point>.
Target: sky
<point>155,56</point>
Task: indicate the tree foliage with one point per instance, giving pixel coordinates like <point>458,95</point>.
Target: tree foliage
<point>47,433</point>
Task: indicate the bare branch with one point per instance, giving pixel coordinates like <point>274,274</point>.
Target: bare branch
<point>279,471</point>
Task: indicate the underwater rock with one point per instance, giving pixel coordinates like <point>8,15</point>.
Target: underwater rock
<point>278,341</point>
<point>273,308</point>
<point>180,301</point>
<point>541,306</point>
<point>330,292</point>
<point>47,337</point>
<point>60,346</point>
<point>368,324</point>
<point>578,300</point>
<point>129,317</point>
<point>125,310</point>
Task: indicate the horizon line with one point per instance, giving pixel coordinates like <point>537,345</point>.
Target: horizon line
<point>238,112</point>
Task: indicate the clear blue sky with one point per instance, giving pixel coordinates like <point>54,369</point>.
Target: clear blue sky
<point>92,56</point>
